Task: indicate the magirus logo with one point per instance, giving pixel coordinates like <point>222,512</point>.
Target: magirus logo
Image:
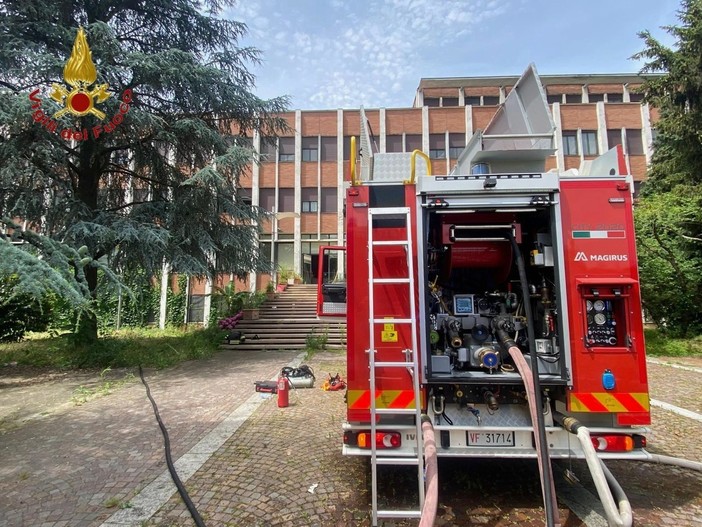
<point>582,257</point>
<point>81,98</point>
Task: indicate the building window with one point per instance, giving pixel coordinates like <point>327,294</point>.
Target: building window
<point>614,137</point>
<point>268,149</point>
<point>490,100</point>
<point>266,199</point>
<point>615,97</point>
<point>472,100</point>
<point>634,142</point>
<point>555,98</point>
<point>437,146</point>
<point>309,149</point>
<point>595,97</point>
<point>196,308</point>
<point>347,147</point>
<point>413,142</point>
<point>590,143</point>
<point>393,143</point>
<point>243,195</point>
<point>286,200</point>
<point>329,150</point>
<point>329,199</point>
<point>654,134</point>
<point>457,143</point>
<point>573,98</point>
<point>570,143</point>
<point>309,199</point>
<point>309,206</point>
<point>286,149</point>
<point>480,169</point>
<point>431,101</point>
<point>636,97</point>
<point>449,101</point>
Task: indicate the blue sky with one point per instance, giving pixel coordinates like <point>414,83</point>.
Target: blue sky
<point>344,54</point>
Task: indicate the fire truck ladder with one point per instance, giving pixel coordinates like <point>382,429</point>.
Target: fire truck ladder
<point>410,362</point>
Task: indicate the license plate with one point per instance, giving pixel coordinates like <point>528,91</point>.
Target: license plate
<point>500,439</point>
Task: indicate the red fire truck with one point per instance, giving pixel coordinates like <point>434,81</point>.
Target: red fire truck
<point>499,301</point>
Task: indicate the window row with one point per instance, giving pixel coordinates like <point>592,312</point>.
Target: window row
<point>577,98</point>
<point>311,200</point>
<point>325,148</point>
<point>561,98</point>
<point>589,145</point>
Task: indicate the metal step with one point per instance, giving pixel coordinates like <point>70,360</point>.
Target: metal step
<point>399,514</point>
<point>397,461</point>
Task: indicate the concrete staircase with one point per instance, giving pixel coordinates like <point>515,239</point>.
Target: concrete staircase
<point>286,322</point>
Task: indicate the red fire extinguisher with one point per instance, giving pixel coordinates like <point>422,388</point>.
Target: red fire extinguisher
<point>283,394</point>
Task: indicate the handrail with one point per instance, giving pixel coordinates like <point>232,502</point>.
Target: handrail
<point>413,162</point>
<point>353,161</point>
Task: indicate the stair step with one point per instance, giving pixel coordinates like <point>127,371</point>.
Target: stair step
<point>286,322</point>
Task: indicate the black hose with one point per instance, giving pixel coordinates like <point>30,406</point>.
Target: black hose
<point>169,460</point>
<point>540,424</point>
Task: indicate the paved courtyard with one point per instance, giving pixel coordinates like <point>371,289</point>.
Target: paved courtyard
<point>102,463</point>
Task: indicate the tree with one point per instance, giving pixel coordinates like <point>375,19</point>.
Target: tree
<point>669,215</point>
<point>670,262</point>
<point>676,90</point>
<point>133,148</point>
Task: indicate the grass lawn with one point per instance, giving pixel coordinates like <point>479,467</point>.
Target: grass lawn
<point>162,348</point>
<point>124,348</point>
<point>658,344</point>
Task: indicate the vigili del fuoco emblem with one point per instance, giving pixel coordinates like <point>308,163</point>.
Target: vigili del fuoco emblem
<point>80,74</point>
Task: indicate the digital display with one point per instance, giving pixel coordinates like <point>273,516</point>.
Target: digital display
<point>463,305</point>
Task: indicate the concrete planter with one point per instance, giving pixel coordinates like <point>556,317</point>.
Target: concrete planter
<point>250,314</point>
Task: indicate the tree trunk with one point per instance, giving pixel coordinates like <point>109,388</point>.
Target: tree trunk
<point>87,328</point>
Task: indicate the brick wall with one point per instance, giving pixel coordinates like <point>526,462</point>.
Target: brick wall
<point>574,116</point>
<point>405,120</point>
<point>623,115</point>
<point>318,123</point>
<point>442,119</point>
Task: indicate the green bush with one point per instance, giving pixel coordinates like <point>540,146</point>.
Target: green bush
<point>20,313</point>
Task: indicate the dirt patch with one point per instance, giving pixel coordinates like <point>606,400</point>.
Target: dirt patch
<point>28,393</point>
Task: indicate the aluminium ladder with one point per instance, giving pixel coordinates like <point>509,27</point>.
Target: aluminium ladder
<point>410,362</point>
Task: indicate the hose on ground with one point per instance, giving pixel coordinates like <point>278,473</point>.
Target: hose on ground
<point>675,461</point>
<point>608,489</point>
<point>431,496</point>
<point>169,459</point>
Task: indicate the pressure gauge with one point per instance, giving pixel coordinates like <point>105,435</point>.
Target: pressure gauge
<point>600,319</point>
<point>599,305</point>
<point>588,304</point>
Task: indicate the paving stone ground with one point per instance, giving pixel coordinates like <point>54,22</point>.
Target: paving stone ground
<point>74,466</point>
<point>283,466</point>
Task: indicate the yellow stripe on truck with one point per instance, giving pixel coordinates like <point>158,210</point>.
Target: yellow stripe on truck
<point>609,402</point>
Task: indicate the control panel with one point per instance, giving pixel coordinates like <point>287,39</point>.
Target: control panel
<point>601,323</point>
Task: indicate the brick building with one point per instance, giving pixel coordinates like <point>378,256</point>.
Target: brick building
<point>301,178</point>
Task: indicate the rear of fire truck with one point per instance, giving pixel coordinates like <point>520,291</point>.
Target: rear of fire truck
<point>500,301</point>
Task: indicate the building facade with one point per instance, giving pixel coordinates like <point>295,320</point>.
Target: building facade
<point>301,178</point>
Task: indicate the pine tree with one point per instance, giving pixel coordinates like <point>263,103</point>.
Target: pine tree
<point>676,90</point>
<point>150,172</point>
<point>669,215</point>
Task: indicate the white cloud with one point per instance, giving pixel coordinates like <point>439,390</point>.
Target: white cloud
<point>373,52</point>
